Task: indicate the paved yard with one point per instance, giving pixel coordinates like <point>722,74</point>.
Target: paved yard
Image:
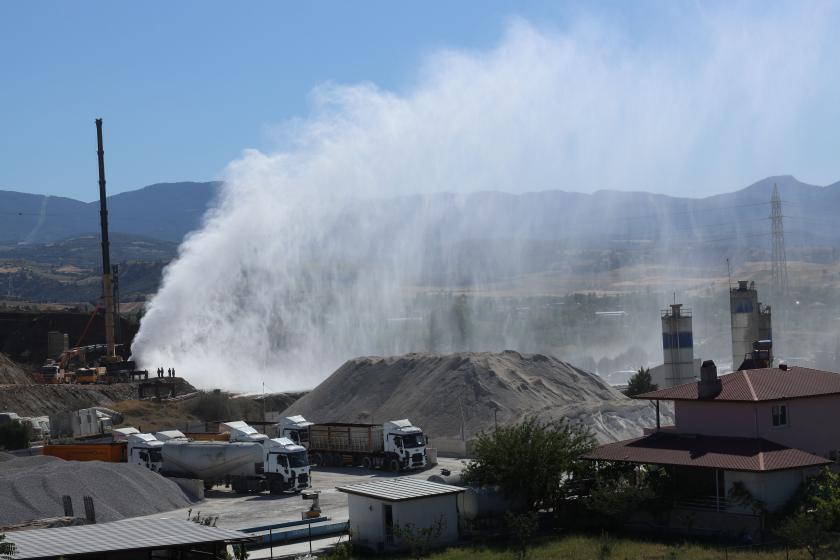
<point>237,511</point>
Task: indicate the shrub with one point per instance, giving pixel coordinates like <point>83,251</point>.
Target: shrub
<point>15,435</point>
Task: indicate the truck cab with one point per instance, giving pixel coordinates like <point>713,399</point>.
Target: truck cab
<point>240,431</point>
<point>145,450</point>
<point>286,466</point>
<point>171,435</point>
<point>406,442</point>
<point>295,428</point>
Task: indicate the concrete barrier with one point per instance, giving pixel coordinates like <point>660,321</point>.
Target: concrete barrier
<point>193,487</point>
<point>451,447</point>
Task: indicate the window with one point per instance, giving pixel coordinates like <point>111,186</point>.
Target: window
<point>780,415</point>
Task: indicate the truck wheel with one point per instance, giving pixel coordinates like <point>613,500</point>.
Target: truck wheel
<point>394,465</point>
<point>367,463</point>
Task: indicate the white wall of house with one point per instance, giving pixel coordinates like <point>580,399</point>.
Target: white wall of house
<point>811,426</point>
<point>367,517</point>
<point>774,488</point>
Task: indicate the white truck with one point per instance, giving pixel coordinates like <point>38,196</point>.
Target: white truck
<point>396,445</point>
<point>249,462</point>
<point>285,464</point>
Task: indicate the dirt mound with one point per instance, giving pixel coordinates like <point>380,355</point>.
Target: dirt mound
<point>31,488</point>
<point>12,373</point>
<point>43,400</point>
<point>442,393</point>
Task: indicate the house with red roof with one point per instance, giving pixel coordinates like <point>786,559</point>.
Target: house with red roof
<point>764,430</point>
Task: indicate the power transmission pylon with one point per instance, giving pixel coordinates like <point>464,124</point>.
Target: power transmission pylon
<point>779,258</point>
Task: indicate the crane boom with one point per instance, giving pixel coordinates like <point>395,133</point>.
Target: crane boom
<point>107,287</point>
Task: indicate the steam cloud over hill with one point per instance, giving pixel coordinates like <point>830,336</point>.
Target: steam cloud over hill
<point>306,261</point>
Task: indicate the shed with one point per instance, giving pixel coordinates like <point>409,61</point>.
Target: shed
<point>377,507</point>
<point>128,539</point>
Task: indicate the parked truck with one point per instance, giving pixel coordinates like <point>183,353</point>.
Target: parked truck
<point>396,445</point>
<point>276,465</point>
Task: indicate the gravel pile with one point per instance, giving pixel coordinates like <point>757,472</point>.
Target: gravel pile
<point>31,488</point>
<point>442,392</point>
<point>12,373</point>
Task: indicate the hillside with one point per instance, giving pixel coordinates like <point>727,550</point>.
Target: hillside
<point>168,211</point>
<point>165,211</point>
<point>441,393</point>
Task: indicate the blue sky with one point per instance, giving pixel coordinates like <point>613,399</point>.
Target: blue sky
<point>184,87</point>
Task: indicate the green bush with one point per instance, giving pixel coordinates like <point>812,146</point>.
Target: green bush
<point>15,435</point>
<point>530,461</point>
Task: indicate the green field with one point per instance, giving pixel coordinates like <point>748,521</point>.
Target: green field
<point>585,547</point>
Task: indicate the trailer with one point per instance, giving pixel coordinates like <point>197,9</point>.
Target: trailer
<point>114,452</point>
<point>396,445</point>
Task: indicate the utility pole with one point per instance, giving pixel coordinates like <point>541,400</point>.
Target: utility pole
<point>107,288</point>
<point>779,258</point>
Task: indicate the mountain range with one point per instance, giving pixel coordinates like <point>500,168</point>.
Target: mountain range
<point>168,211</point>
<point>164,211</point>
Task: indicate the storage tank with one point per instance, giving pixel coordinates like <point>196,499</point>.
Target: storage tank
<point>677,347</point>
<point>211,460</point>
<point>749,319</point>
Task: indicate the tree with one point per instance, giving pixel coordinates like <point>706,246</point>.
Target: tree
<point>7,549</point>
<point>15,435</point>
<point>530,461</point>
<point>522,526</point>
<point>808,531</point>
<point>640,382</point>
<point>812,518</point>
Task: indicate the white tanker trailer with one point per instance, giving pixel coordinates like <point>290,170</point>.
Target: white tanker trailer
<point>276,465</point>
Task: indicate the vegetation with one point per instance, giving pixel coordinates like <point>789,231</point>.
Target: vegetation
<point>640,382</point>
<point>15,435</point>
<point>812,519</point>
<point>7,549</point>
<point>419,540</point>
<point>531,461</point>
<point>580,547</point>
<point>523,527</point>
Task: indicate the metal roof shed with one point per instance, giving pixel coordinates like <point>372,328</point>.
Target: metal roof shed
<point>377,508</point>
<point>126,539</point>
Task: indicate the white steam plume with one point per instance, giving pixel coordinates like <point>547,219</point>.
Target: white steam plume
<point>305,262</point>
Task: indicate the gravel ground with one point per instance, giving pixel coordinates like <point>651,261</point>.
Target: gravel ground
<point>31,488</point>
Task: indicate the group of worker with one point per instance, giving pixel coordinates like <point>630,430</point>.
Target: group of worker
<point>170,372</point>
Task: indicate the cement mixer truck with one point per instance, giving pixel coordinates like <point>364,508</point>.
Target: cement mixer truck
<point>396,445</point>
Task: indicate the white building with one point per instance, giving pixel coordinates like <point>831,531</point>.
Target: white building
<point>377,508</point>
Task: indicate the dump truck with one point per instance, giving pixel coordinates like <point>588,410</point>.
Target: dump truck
<point>136,448</point>
<point>395,445</point>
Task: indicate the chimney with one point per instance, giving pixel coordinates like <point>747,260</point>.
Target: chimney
<point>709,385</point>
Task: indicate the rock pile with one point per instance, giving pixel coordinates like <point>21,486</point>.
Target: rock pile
<point>31,488</point>
<point>471,391</point>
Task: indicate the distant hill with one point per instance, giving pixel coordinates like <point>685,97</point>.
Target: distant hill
<point>165,211</point>
<point>603,219</point>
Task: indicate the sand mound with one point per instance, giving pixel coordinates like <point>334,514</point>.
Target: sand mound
<point>13,374</point>
<point>31,488</point>
<point>440,393</point>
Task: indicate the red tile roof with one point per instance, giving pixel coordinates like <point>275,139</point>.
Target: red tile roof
<point>766,384</point>
<point>728,453</point>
